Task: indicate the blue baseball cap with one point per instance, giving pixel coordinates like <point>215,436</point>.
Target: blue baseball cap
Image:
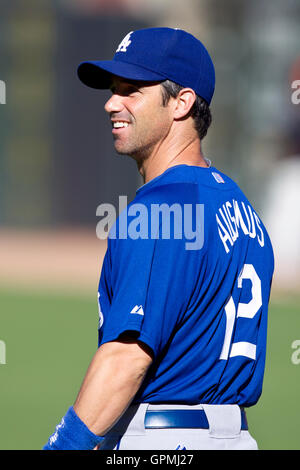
<point>155,54</point>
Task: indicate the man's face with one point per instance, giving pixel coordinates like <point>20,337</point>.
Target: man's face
<point>140,121</point>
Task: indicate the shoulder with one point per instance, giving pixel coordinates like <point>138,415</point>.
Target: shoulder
<point>168,192</point>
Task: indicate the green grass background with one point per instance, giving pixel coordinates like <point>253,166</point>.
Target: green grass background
<point>51,337</point>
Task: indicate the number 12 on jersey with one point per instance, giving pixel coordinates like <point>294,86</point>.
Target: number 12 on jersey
<point>243,310</point>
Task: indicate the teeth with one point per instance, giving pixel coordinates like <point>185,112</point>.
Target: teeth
<point>119,124</point>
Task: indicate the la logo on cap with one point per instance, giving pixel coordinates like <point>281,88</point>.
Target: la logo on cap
<point>125,43</point>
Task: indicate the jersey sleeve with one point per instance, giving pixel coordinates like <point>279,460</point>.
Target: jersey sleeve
<point>151,283</point>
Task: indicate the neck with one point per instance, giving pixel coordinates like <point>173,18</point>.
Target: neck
<point>189,153</point>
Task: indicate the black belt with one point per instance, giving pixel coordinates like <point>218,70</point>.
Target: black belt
<point>157,419</point>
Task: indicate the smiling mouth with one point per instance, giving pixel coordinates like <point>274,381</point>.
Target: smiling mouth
<point>119,124</point>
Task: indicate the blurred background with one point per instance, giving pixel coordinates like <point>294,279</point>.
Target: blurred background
<point>57,164</point>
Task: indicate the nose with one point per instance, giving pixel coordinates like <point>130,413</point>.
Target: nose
<point>114,104</point>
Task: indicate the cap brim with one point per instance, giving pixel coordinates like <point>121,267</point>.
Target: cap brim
<point>97,74</point>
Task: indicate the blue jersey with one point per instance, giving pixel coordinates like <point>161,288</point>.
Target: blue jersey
<point>188,272</point>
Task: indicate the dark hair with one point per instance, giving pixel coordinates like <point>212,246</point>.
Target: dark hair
<point>200,111</point>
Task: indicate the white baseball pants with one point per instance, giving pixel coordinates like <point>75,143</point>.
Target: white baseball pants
<point>224,431</point>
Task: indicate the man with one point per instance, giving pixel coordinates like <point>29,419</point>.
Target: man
<point>183,297</point>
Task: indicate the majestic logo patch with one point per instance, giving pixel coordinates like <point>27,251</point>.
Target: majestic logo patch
<point>125,43</point>
<point>101,319</point>
<point>218,177</point>
<point>138,309</point>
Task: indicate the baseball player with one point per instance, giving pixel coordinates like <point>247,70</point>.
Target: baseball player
<point>185,282</point>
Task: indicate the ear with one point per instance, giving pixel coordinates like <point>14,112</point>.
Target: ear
<point>184,102</point>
